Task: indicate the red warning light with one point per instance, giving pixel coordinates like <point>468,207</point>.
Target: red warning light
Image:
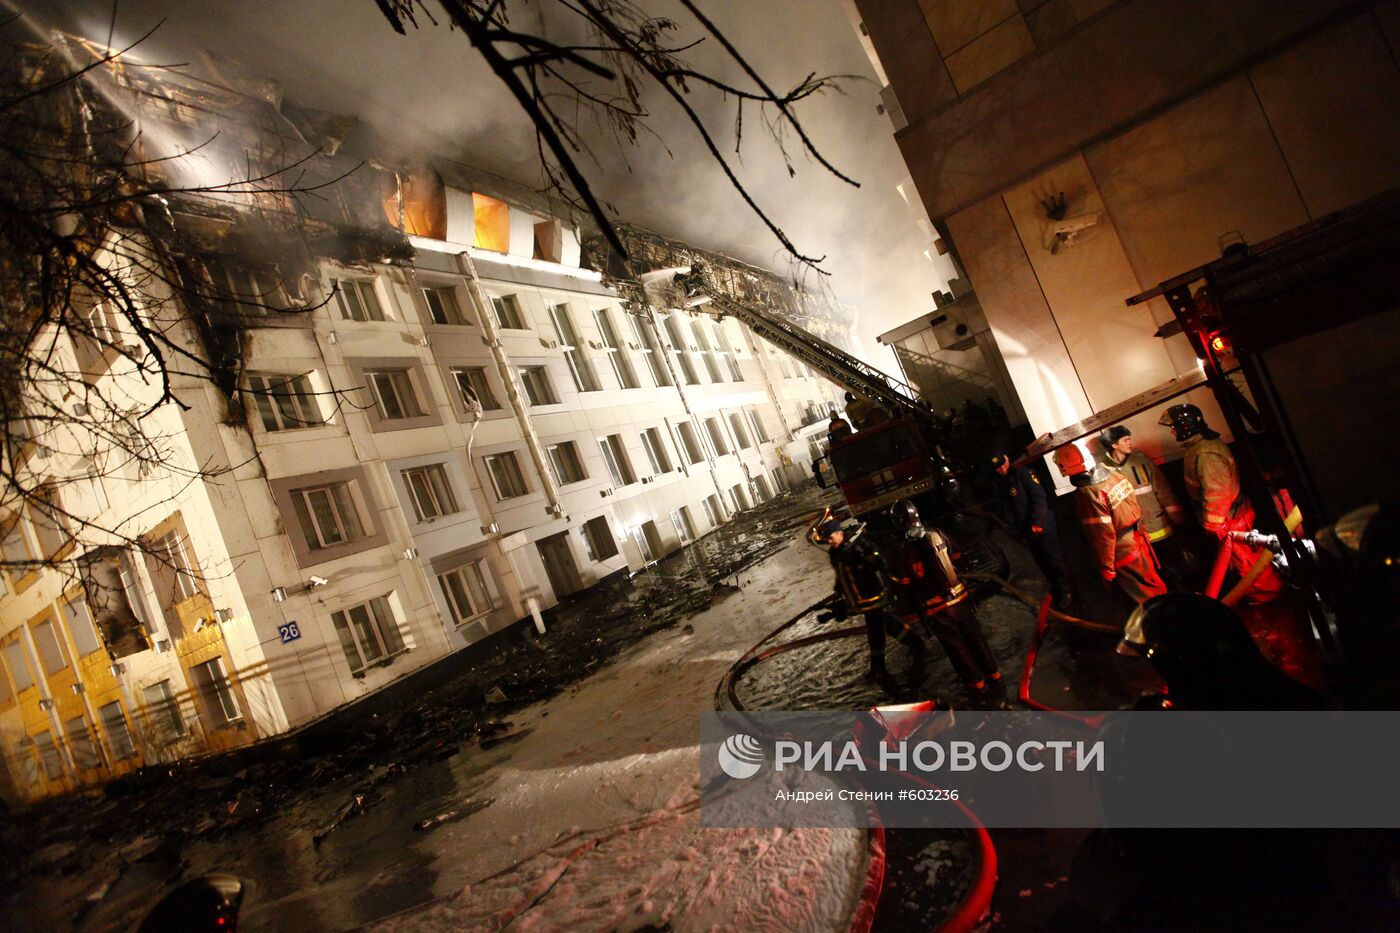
<point>1219,344</point>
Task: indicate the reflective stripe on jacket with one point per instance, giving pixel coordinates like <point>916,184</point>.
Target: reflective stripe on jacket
<point>1108,509</point>
<point>1211,481</point>
<point>1160,509</point>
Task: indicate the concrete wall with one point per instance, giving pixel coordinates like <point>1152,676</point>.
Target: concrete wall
<point>1178,125</point>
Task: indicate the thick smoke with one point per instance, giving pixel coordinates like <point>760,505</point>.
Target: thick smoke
<point>430,92</point>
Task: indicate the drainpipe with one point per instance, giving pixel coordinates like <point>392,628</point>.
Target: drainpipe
<point>517,404</point>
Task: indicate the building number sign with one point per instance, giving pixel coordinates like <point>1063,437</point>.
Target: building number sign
<point>289,632</point>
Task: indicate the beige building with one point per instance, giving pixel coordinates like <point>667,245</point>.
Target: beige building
<point>1076,152</point>
<point>435,436</point>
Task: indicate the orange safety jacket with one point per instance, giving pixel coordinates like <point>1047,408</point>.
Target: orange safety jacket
<point>1160,510</point>
<point>1212,482</point>
<point>1109,511</point>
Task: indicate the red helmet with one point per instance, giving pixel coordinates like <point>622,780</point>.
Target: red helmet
<point>1070,460</point>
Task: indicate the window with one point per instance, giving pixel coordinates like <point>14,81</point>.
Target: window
<point>19,666</point>
<point>328,515</point>
<point>621,363</point>
<point>698,327</point>
<point>716,435</point>
<point>726,351</point>
<point>599,538</point>
<point>713,510</point>
<point>131,589</point>
<point>80,744</point>
<point>217,693</point>
<point>244,290</point>
<point>690,442</point>
<point>491,229</point>
<point>741,436</point>
<point>285,402</point>
<point>117,731</point>
<point>471,382</point>
<point>646,343</point>
<point>357,300</point>
<point>538,389</point>
<point>618,464</point>
<point>368,633</point>
<point>685,526</point>
<point>14,545</point>
<point>175,567</point>
<point>164,710</point>
<point>443,306</point>
<point>568,468</point>
<point>740,497</point>
<point>584,379</point>
<point>760,433</point>
<point>784,366</point>
<point>51,653</point>
<point>49,519</point>
<point>81,628</point>
<point>465,590</point>
<point>656,451</point>
<point>678,351</point>
<point>648,541</point>
<point>49,755</point>
<point>760,485</point>
<point>506,475</point>
<point>431,492</point>
<point>779,480</point>
<point>508,315</point>
<point>394,398</point>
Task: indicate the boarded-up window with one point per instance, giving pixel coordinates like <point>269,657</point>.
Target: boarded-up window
<point>492,229</point>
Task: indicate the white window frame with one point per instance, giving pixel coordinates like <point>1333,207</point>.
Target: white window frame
<point>691,443</point>
<point>296,407</point>
<point>585,380</point>
<point>655,449</point>
<point>399,380</point>
<point>714,509</point>
<point>117,731</point>
<point>557,455</point>
<point>698,327</point>
<point>516,474</point>
<point>612,346</point>
<point>172,549</point>
<point>739,431</point>
<point>452,310</point>
<point>464,615</point>
<point>510,315</point>
<point>539,389</point>
<point>53,657</point>
<point>760,431</point>
<point>436,498</point>
<point>648,347</point>
<point>714,432</point>
<point>359,288</point>
<point>167,706</point>
<point>461,375</point>
<point>307,514</point>
<point>380,619</point>
<point>680,351</point>
<point>615,455</point>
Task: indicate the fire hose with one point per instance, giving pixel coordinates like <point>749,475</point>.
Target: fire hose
<point>1222,560</point>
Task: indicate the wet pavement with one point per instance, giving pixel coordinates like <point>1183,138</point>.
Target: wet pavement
<point>322,827</point>
<point>381,809</point>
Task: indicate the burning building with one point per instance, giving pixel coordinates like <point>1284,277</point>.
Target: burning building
<point>410,405</point>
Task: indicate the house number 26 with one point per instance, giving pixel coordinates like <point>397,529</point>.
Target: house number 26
<point>289,632</point>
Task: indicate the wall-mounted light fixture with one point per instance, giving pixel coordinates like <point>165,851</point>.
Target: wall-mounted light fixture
<point>78,688</point>
<point>279,594</point>
<point>410,553</point>
<point>46,704</point>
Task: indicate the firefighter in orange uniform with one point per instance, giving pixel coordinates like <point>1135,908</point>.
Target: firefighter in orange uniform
<point>1161,513</point>
<point>1108,508</point>
<point>1213,483</point>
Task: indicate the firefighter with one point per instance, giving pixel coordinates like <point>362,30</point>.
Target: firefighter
<point>837,429</point>
<point>863,586</point>
<point>863,412</point>
<point>1161,513</point>
<point>1026,506</point>
<point>1108,509</point>
<point>1213,484</point>
<point>923,568</point>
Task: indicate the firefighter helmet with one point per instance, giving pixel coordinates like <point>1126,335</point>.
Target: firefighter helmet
<point>1110,436</point>
<point>1070,460</point>
<point>1185,421</point>
<point>905,515</point>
